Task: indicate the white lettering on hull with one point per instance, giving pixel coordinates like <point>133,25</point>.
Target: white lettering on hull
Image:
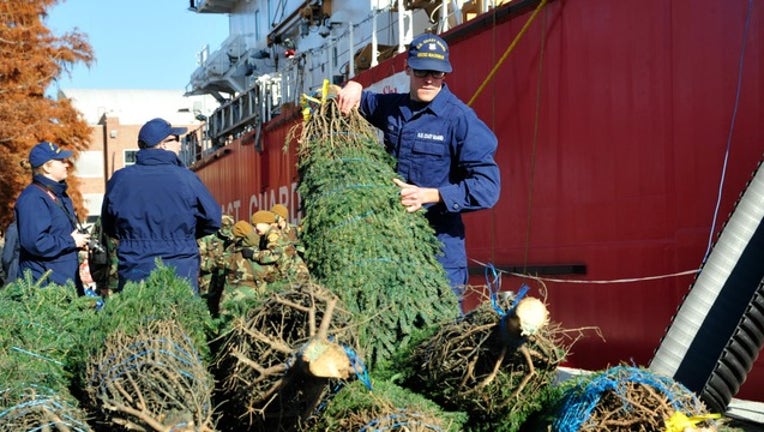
<point>286,195</point>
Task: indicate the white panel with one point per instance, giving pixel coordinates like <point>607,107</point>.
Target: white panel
<point>726,253</point>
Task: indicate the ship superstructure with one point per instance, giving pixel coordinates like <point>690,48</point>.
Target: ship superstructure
<point>278,50</point>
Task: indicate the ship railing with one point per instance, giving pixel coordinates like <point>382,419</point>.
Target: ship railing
<point>349,49</point>
<point>194,146</point>
<point>244,111</point>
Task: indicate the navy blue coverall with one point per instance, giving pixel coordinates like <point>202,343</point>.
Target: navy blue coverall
<point>442,145</point>
<point>157,208</point>
<point>45,232</point>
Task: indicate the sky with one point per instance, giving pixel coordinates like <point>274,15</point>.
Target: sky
<point>138,44</point>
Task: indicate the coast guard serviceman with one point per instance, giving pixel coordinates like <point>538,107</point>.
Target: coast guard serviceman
<point>48,232</point>
<point>444,151</point>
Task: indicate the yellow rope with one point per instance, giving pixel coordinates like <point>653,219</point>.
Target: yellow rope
<point>506,53</point>
<point>306,100</point>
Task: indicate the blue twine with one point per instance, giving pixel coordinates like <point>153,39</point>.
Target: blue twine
<point>357,159</point>
<point>39,356</point>
<point>48,426</point>
<point>352,220</point>
<point>321,407</point>
<point>494,286</point>
<point>371,426</point>
<point>512,339</point>
<point>50,405</point>
<point>90,292</point>
<point>493,281</point>
<point>520,294</point>
<point>579,405</point>
<point>374,261</point>
<point>342,189</point>
<point>358,366</point>
<point>115,371</point>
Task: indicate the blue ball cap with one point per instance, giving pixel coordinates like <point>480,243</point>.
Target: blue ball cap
<point>429,52</point>
<point>156,130</point>
<point>46,151</point>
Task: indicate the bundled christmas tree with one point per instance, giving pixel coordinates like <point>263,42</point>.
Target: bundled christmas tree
<point>497,363</point>
<point>149,358</point>
<point>627,398</point>
<point>276,363</point>
<point>39,349</point>
<point>360,242</point>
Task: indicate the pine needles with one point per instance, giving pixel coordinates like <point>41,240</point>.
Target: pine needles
<point>39,350</point>
<point>360,241</point>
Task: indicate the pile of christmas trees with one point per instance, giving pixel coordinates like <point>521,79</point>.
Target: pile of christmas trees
<point>428,366</point>
<point>373,341</point>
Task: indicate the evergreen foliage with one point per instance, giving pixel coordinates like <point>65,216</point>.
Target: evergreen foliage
<point>39,350</point>
<point>162,296</point>
<point>148,356</point>
<point>42,327</point>
<point>360,241</point>
<point>385,407</point>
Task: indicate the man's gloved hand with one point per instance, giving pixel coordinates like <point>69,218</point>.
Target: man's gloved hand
<point>251,240</point>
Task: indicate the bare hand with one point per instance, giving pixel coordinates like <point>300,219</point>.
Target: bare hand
<point>414,197</point>
<point>80,239</point>
<point>349,97</point>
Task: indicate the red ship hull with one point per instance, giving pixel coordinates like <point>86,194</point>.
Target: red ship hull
<point>619,124</point>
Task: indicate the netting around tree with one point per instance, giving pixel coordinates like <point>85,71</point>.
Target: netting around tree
<point>275,364</point>
<point>39,348</point>
<point>360,241</point>
<point>385,407</point>
<point>37,408</point>
<point>624,399</point>
<point>481,365</point>
<point>152,380</point>
<point>148,357</point>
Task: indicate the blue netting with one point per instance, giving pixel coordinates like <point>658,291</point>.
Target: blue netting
<point>581,400</point>
<point>42,406</point>
<point>400,421</point>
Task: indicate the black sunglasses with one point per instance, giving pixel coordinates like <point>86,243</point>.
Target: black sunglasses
<point>423,73</point>
<point>171,138</point>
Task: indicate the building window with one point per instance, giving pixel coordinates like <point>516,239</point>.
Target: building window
<point>130,156</point>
